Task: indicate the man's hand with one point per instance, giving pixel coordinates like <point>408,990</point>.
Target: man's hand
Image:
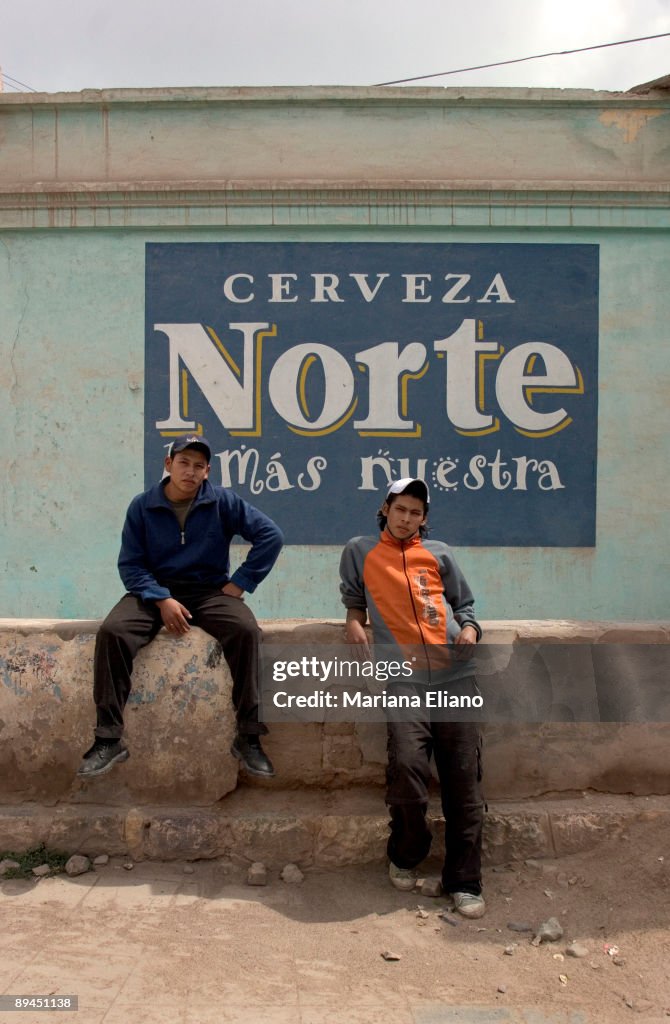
<point>232,590</point>
<point>465,643</point>
<point>174,615</point>
<point>355,635</point>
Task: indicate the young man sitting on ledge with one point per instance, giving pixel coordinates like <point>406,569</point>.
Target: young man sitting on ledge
<point>174,563</point>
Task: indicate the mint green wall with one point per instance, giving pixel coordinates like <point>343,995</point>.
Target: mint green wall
<point>87,179</point>
<point>72,419</point>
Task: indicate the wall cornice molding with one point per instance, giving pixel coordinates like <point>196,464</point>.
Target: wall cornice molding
<point>193,204</point>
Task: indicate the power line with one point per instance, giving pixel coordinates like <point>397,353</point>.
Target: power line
<point>520,60</point>
<point>14,82</point>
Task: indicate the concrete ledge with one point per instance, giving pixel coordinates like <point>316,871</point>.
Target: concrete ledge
<point>180,723</point>
<point>315,829</point>
<point>329,631</point>
<point>179,720</point>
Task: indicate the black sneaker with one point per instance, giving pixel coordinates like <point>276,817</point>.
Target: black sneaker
<point>101,758</point>
<point>255,761</point>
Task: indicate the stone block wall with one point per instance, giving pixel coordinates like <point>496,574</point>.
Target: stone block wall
<point>180,723</point>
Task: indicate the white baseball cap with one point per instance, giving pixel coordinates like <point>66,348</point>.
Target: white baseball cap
<point>400,486</point>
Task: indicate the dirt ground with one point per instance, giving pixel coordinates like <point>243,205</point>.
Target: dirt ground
<point>617,895</point>
<point>193,944</point>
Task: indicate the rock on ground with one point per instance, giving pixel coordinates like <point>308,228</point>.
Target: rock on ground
<point>431,887</point>
<point>292,874</point>
<point>257,874</point>
<point>77,865</point>
<point>549,931</point>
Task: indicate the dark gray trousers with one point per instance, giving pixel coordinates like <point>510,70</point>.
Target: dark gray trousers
<point>133,623</point>
<point>456,747</point>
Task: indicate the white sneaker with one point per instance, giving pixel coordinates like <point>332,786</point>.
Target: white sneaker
<point>467,904</point>
<point>403,879</point>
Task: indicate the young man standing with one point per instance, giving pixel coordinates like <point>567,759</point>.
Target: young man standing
<point>418,599</point>
<point>175,565</point>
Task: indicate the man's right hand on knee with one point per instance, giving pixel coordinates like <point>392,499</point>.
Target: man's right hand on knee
<point>175,616</point>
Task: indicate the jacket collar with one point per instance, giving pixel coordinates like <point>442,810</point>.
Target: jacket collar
<point>156,497</point>
<point>386,538</point>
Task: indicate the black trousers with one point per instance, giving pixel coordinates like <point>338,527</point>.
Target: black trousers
<point>133,623</point>
<point>456,747</point>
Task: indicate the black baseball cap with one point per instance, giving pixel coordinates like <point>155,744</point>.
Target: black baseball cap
<point>191,441</point>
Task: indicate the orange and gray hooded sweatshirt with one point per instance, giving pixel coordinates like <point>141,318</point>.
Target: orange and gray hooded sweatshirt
<point>414,592</point>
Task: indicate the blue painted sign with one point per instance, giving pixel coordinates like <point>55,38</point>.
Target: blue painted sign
<point>321,371</point>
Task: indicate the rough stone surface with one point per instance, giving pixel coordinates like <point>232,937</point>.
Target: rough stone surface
<point>8,865</point>
<point>77,865</point>
<point>42,870</point>
<point>345,840</point>
<point>271,838</point>
<point>178,836</point>
<point>623,757</point>
<point>320,829</point>
<point>339,728</point>
<point>372,742</point>
<point>179,721</point>
<point>295,749</point>
<point>180,724</point>
<point>580,831</point>
<point>101,860</point>
<point>86,829</point>
<point>23,827</point>
<point>341,752</point>
<point>509,837</point>
<point>134,831</point>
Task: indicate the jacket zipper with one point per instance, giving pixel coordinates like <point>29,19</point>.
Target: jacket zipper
<point>416,617</point>
<point>182,531</point>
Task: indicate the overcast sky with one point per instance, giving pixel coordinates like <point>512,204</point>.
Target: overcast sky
<point>61,45</point>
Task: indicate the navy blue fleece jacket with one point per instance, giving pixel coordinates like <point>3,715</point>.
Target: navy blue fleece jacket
<point>155,554</point>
